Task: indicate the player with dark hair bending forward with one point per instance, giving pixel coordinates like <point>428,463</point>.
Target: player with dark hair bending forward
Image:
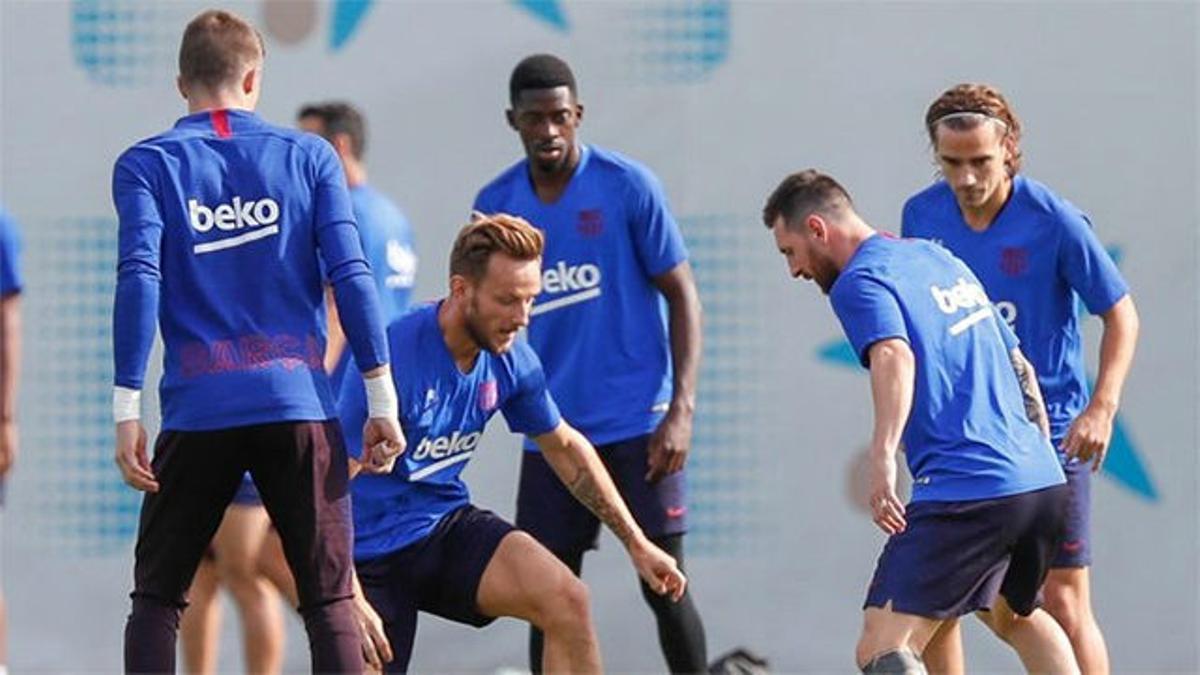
<point>949,382</point>
<point>419,542</point>
<point>1035,254</point>
<point>624,376</point>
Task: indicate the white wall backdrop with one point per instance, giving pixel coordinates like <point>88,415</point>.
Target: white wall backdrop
<point>721,98</point>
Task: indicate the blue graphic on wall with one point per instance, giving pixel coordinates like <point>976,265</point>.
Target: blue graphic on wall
<point>682,41</point>
<point>121,42</point>
<point>134,42</point>
<point>347,18</point>
<point>549,12</point>
<point>1123,464</point>
<point>80,506</point>
<point>725,463</point>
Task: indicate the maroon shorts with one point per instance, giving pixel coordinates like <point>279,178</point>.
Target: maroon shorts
<point>300,470</point>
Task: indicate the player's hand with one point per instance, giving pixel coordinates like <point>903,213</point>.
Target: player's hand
<point>375,647</point>
<point>886,508</point>
<point>669,445</point>
<point>131,456</point>
<point>1089,435</point>
<point>383,442</point>
<point>8,446</point>
<point>658,569</point>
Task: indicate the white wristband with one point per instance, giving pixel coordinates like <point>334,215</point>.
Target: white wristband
<point>381,397</point>
<point>127,404</point>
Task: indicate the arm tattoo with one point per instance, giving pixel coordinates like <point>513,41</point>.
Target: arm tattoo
<point>1035,408</point>
<point>584,488</point>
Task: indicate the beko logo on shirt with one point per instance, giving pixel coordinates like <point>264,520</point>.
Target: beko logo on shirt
<point>962,295</point>
<point>563,278</point>
<point>581,282</point>
<point>445,446</point>
<point>260,216</point>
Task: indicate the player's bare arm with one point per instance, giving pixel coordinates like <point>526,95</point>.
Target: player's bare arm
<point>1090,432</point>
<point>893,369</point>
<point>575,462</point>
<point>335,342</point>
<point>1035,406</point>
<point>375,646</point>
<point>670,443</point>
<point>10,360</point>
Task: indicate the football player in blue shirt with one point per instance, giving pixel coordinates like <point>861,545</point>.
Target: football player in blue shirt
<point>222,221</point>
<point>419,542</point>
<point>1035,253</point>
<point>11,283</point>
<point>622,369</point>
<point>387,236</point>
<point>949,384</point>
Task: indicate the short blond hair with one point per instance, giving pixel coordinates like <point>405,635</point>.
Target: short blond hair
<point>493,233</point>
<point>216,48</point>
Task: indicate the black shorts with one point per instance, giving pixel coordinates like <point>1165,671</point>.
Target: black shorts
<point>439,574</point>
<point>955,557</point>
<point>300,470</point>
<point>549,512</point>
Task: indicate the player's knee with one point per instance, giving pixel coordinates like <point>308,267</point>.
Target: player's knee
<point>1003,622</point>
<point>567,608</point>
<point>901,661</point>
<point>1066,605</point>
<point>237,567</point>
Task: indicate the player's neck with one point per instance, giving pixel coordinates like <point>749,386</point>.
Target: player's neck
<point>462,347</point>
<point>198,103</point>
<point>847,244</point>
<point>356,173</point>
<point>981,218</point>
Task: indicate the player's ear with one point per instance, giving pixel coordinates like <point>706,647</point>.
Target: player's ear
<point>249,80</point>
<point>511,117</point>
<point>1010,151</point>
<point>458,286</point>
<point>181,86</point>
<point>343,145</point>
<point>578,114</point>
<point>816,226</point>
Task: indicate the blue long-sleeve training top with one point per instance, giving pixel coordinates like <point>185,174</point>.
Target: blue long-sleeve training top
<point>222,219</point>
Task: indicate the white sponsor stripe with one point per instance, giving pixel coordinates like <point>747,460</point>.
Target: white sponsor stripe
<point>974,318</point>
<point>563,302</point>
<point>220,244</point>
<point>438,466</point>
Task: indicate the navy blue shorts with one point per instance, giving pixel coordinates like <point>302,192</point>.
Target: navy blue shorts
<point>549,512</point>
<point>956,557</point>
<point>439,574</point>
<point>247,493</point>
<point>1076,548</point>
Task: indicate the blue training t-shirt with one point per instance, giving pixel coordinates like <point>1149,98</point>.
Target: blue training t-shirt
<point>221,222</point>
<point>387,241</point>
<point>443,412</point>
<point>599,325</point>
<point>1035,257</point>
<point>11,280</point>
<point>967,436</point>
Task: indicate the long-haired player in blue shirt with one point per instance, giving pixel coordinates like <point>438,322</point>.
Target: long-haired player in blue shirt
<point>222,220</point>
<point>1037,256</point>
